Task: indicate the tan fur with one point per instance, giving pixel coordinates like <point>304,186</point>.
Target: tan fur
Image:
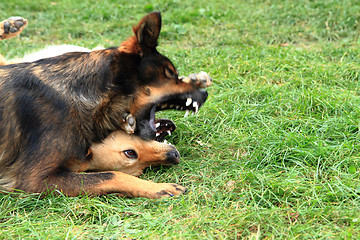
<point>109,154</point>
<point>2,61</point>
<point>135,187</point>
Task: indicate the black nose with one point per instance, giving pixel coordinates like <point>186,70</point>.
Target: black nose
<point>173,157</point>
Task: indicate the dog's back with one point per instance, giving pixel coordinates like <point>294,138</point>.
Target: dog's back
<point>41,100</point>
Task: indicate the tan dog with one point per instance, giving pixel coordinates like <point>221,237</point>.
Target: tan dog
<point>130,154</point>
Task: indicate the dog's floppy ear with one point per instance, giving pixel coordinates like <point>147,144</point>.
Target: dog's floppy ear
<point>148,30</point>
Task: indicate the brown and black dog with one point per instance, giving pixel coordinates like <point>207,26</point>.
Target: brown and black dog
<point>52,110</point>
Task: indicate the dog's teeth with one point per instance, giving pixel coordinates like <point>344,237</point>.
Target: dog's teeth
<point>177,107</point>
<point>165,141</point>
<point>196,106</point>
<point>172,106</point>
<point>187,113</point>
<point>157,134</point>
<point>157,125</point>
<point>169,132</point>
<point>188,102</point>
<point>164,106</point>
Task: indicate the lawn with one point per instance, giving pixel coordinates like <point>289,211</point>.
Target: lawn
<point>273,154</point>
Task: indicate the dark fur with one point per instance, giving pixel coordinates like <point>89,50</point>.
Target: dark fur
<point>52,110</point>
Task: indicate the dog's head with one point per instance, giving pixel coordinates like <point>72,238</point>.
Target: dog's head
<point>159,86</point>
<point>130,154</point>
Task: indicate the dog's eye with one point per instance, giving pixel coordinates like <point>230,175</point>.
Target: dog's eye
<point>130,154</point>
<point>169,73</point>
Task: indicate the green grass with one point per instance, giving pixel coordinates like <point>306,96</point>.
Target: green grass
<point>273,154</point>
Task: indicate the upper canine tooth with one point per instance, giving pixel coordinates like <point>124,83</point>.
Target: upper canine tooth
<point>188,101</point>
<point>157,125</point>
<point>169,132</point>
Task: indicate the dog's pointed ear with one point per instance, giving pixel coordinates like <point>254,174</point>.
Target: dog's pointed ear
<point>148,30</point>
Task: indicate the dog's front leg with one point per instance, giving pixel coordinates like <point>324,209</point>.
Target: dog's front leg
<point>102,183</point>
<point>127,185</point>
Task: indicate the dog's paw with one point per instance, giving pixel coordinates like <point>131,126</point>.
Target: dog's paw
<point>153,190</point>
<point>129,123</point>
<point>12,27</point>
<point>201,80</point>
<point>163,190</point>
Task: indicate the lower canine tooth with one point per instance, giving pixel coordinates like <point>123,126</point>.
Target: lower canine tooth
<point>169,132</point>
<point>196,106</point>
<point>187,113</point>
<point>157,134</point>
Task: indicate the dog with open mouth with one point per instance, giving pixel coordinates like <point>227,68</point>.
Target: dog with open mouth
<point>54,110</point>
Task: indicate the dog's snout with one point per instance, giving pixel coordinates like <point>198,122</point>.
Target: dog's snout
<point>173,157</point>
